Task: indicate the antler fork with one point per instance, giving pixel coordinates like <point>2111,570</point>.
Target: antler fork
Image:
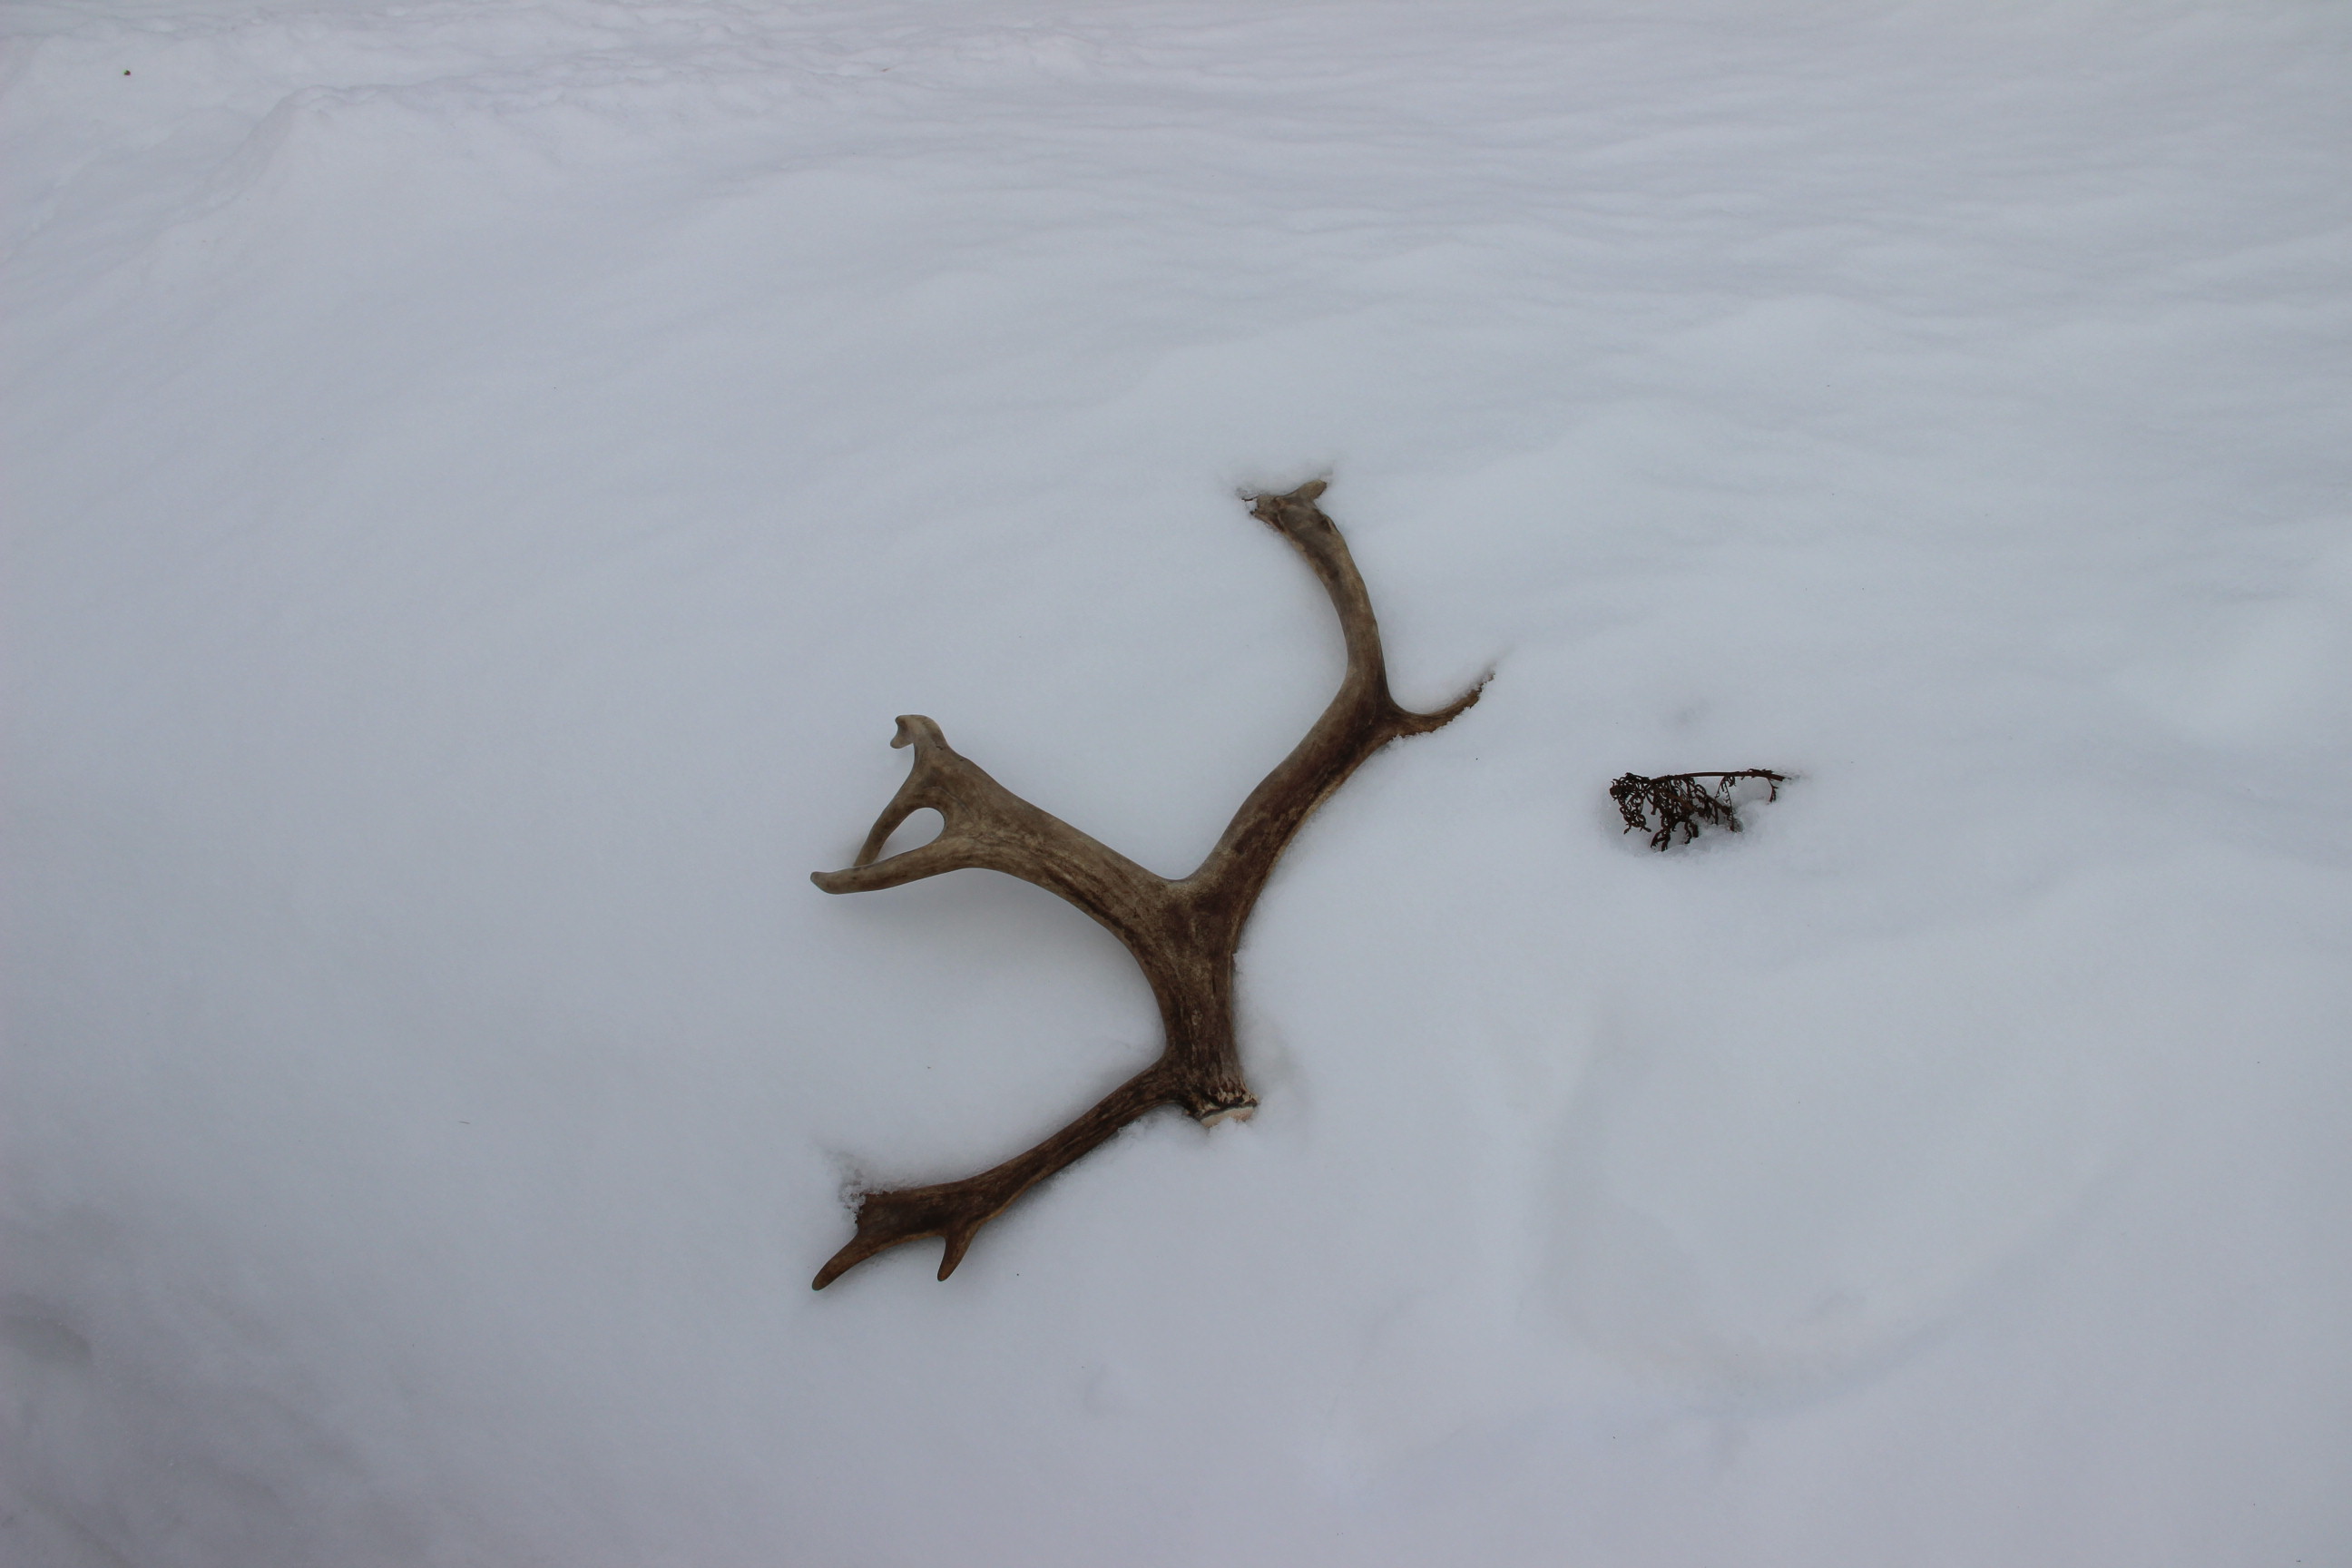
<point>1182,933</point>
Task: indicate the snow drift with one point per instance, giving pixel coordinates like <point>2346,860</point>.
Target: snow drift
<point>482,478</point>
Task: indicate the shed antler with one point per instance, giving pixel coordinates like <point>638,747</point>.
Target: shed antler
<point>1182,933</point>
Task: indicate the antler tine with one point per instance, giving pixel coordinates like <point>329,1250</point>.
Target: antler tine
<point>956,1210</point>
<point>1183,934</point>
<point>941,854</point>
<point>989,827</point>
<point>1361,717</point>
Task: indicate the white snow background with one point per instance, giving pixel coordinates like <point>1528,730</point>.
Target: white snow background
<point>481,479</point>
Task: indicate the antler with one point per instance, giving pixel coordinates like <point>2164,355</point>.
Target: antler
<point>1182,933</point>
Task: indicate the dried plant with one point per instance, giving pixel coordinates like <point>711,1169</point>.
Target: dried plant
<point>1182,933</point>
<point>1680,801</point>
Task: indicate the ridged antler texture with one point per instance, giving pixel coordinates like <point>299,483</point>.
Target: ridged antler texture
<point>1182,933</point>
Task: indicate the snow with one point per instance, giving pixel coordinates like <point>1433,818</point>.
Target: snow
<point>482,478</point>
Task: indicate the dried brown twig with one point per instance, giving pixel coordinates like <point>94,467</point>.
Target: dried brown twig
<point>1680,802</point>
<point>1182,933</point>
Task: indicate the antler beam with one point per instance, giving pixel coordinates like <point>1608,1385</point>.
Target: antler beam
<point>1183,933</point>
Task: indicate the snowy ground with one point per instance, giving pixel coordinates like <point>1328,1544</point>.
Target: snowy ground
<point>482,478</point>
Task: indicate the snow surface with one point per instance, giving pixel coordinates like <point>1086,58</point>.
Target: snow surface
<point>482,478</point>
